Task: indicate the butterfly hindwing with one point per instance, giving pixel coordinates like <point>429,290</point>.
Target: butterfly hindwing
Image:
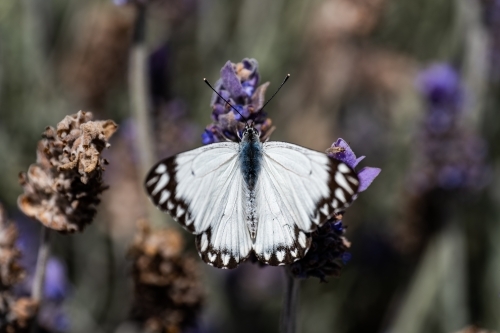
<point>203,190</point>
<point>298,190</point>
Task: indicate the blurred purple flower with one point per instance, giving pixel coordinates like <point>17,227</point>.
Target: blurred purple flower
<point>239,86</point>
<point>56,282</point>
<point>346,155</point>
<point>440,85</point>
<point>453,155</point>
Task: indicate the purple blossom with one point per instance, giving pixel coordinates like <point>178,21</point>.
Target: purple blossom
<point>56,283</point>
<point>327,254</point>
<point>239,85</point>
<point>440,85</point>
<point>366,175</point>
<point>452,156</point>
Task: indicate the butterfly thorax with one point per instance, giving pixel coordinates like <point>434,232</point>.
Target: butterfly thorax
<point>250,157</point>
<point>250,160</point>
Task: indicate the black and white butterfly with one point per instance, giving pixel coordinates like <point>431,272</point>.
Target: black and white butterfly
<point>249,196</point>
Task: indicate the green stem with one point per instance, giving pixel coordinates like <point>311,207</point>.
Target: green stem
<point>41,264</point>
<point>139,103</point>
<point>288,322</point>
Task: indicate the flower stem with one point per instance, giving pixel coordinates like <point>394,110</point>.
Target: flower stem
<point>289,311</point>
<point>139,103</point>
<point>41,264</point>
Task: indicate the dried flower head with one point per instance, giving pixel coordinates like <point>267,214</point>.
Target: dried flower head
<point>15,314</point>
<point>62,189</point>
<point>97,61</point>
<point>168,293</point>
<point>10,270</point>
<point>328,252</point>
<point>239,85</point>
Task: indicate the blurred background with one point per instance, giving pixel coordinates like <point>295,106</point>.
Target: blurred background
<point>413,86</point>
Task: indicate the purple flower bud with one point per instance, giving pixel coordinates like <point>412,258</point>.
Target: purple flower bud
<point>440,85</point>
<point>231,82</point>
<point>365,175</point>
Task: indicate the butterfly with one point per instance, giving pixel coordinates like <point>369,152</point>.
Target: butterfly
<point>249,197</point>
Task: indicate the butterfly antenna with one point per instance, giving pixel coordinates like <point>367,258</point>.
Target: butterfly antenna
<point>225,100</point>
<point>282,83</point>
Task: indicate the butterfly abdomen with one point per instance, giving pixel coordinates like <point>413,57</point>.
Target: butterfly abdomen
<point>251,162</point>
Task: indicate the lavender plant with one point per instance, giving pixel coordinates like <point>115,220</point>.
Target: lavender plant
<point>449,160</point>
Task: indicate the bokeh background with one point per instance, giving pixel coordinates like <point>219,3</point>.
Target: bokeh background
<point>413,85</point>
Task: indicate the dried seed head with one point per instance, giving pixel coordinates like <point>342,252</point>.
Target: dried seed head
<point>15,314</point>
<point>62,189</point>
<point>168,293</point>
<point>10,271</point>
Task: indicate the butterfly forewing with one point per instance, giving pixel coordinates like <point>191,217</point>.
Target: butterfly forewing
<point>298,190</point>
<point>203,190</point>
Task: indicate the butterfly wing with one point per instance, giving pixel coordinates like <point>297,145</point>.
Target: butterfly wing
<point>298,190</point>
<point>202,189</point>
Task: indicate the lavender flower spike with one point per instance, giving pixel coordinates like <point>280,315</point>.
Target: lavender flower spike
<point>239,85</point>
<point>346,155</point>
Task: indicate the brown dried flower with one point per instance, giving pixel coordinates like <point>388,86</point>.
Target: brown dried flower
<point>10,271</point>
<point>97,61</point>
<point>168,293</point>
<point>62,189</point>
<point>15,314</point>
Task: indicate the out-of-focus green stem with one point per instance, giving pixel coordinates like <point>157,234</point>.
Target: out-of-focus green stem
<point>41,264</point>
<point>440,275</point>
<point>288,321</point>
<point>139,103</point>
<point>476,54</point>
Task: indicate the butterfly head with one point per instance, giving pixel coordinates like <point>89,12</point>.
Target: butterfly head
<point>250,133</point>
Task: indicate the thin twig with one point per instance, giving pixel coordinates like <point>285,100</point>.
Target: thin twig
<point>288,322</point>
<point>139,103</point>
<point>41,264</point>
<point>39,279</point>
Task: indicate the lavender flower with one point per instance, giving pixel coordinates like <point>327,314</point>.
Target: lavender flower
<point>452,155</point>
<point>239,85</point>
<point>328,252</point>
<point>449,158</point>
<point>341,151</point>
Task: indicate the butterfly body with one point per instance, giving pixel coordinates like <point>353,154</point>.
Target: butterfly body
<point>249,196</point>
<point>250,155</point>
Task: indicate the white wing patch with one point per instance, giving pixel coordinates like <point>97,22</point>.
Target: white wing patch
<point>202,189</point>
<point>298,190</point>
